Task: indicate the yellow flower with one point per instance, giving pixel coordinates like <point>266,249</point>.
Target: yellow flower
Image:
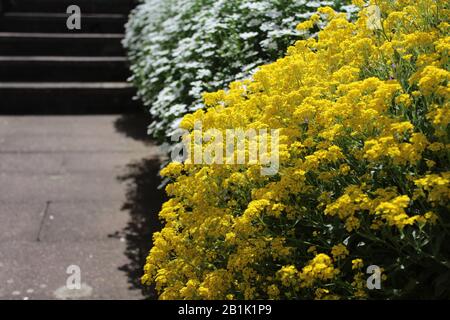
<point>273,292</point>
<point>319,268</point>
<point>339,251</point>
<point>393,211</point>
<point>324,294</point>
<point>359,3</point>
<point>404,99</point>
<point>288,275</point>
<point>357,264</point>
<point>312,249</point>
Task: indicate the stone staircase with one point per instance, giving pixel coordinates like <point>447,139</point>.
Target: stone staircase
<point>45,68</point>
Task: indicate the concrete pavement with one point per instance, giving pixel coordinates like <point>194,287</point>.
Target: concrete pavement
<point>75,190</point>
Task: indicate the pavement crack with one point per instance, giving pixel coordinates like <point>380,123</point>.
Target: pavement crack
<point>44,214</point>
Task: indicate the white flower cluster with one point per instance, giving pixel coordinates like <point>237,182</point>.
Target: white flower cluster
<point>181,48</point>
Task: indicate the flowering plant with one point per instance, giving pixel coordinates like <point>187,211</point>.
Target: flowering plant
<point>181,48</point>
<point>364,179</point>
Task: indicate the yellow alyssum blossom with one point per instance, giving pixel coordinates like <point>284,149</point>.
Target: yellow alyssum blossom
<point>339,251</point>
<point>273,292</point>
<point>288,275</point>
<point>359,3</point>
<point>436,185</point>
<point>393,212</point>
<point>318,269</point>
<point>357,263</point>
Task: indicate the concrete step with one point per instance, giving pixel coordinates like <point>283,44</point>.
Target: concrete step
<point>32,69</point>
<point>59,44</point>
<point>60,6</point>
<point>56,22</point>
<point>66,98</point>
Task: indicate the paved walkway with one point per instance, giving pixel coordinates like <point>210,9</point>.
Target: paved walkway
<point>75,190</point>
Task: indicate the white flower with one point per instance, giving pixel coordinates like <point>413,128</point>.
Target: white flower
<point>248,35</point>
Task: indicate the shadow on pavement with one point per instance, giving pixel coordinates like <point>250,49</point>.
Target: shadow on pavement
<point>134,126</point>
<point>143,203</point>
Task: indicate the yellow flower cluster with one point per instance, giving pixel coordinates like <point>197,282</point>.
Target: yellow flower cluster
<point>364,116</point>
<point>437,187</point>
<point>318,269</point>
<point>339,251</point>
